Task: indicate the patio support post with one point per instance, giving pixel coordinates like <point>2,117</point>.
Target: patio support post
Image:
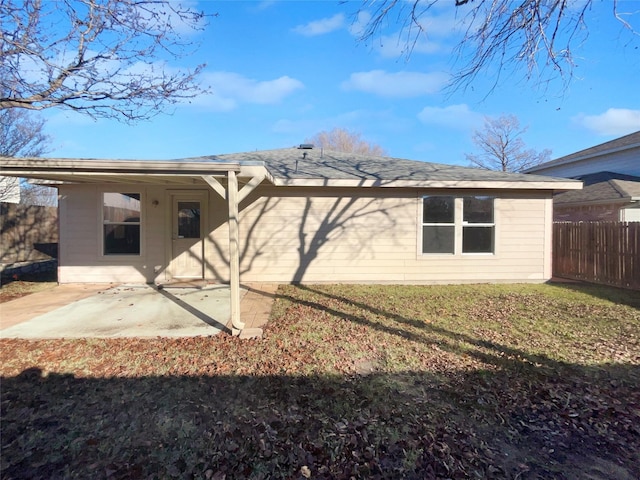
<point>234,255</point>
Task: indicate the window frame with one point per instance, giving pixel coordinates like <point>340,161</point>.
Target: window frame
<point>492,225</point>
<point>438,224</point>
<point>459,225</point>
<point>104,222</point>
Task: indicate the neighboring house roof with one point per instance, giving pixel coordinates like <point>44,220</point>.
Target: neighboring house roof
<point>603,187</point>
<point>619,144</point>
<point>284,167</point>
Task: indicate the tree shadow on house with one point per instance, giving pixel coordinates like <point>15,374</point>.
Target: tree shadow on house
<point>318,225</point>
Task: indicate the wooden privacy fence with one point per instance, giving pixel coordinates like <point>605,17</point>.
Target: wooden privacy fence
<point>599,252</point>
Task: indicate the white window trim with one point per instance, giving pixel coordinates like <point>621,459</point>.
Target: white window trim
<point>102,223</point>
<point>458,225</point>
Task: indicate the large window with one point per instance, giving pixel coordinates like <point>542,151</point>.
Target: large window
<point>453,225</point>
<point>121,223</point>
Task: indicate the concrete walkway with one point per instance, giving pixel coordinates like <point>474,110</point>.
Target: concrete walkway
<point>73,311</point>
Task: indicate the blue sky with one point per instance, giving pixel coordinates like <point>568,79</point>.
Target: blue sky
<point>281,71</point>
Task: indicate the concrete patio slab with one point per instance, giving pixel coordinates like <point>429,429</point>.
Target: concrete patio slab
<point>30,306</point>
<point>133,311</point>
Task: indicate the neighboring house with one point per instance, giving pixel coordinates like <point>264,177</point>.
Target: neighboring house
<point>611,176</point>
<point>297,215</point>
<point>605,197</point>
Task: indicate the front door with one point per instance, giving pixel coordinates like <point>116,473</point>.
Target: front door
<point>187,246</point>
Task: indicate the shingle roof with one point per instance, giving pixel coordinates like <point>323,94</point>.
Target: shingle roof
<point>603,187</point>
<point>628,141</point>
<point>295,163</point>
<point>284,167</point>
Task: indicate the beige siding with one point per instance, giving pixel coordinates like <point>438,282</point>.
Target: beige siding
<point>312,236</point>
<point>369,235</point>
<point>81,258</point>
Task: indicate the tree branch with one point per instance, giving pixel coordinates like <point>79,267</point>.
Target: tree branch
<point>120,51</point>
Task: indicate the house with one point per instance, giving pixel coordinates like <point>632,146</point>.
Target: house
<point>299,214</point>
<point>611,176</point>
<point>605,197</point>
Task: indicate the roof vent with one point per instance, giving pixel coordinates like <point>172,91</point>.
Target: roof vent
<point>306,146</point>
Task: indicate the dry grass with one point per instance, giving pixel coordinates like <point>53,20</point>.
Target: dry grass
<point>21,286</point>
<point>477,381</point>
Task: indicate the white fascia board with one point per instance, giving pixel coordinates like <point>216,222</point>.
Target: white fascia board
<point>466,184</point>
<point>253,171</point>
<point>41,165</point>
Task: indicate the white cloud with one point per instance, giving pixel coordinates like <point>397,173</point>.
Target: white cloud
<point>156,15</point>
<point>369,122</point>
<point>454,116</point>
<point>359,26</point>
<point>265,4</point>
<point>322,26</point>
<point>615,121</point>
<point>394,46</point>
<point>399,84</point>
<point>434,34</point>
<point>230,89</point>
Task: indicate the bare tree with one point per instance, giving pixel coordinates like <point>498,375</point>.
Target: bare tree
<point>104,58</point>
<point>37,194</point>
<point>22,135</point>
<point>502,33</point>
<point>343,140</point>
<point>502,148</point>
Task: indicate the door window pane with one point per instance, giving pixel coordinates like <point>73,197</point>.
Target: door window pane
<point>188,219</point>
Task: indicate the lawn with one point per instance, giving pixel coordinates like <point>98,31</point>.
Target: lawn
<point>475,381</point>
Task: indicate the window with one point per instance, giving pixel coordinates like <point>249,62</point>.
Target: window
<point>121,223</point>
<point>188,219</point>
<point>478,226</point>
<point>453,225</point>
<point>438,224</point>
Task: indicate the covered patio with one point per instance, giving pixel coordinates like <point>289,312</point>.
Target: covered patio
<point>233,181</point>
